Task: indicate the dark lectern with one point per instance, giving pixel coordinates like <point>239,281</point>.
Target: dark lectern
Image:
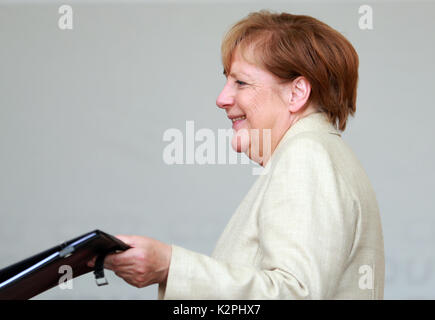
<point>34,275</point>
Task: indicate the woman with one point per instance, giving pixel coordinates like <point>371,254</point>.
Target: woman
<point>309,228</point>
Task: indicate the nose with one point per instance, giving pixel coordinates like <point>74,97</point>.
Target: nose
<point>225,98</point>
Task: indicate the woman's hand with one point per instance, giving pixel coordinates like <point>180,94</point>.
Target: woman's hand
<point>146,262</point>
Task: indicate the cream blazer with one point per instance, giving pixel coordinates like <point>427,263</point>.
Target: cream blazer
<point>308,229</point>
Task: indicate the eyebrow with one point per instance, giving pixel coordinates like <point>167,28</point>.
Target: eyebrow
<point>237,74</point>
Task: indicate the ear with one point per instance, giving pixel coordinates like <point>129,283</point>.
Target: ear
<point>300,92</point>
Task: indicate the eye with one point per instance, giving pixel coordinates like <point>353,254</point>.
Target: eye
<point>240,83</point>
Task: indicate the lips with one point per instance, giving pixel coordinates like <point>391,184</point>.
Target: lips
<point>238,118</point>
<point>237,121</point>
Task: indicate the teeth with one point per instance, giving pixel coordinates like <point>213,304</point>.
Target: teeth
<point>239,118</point>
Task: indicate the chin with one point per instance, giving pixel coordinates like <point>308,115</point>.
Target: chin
<point>241,140</point>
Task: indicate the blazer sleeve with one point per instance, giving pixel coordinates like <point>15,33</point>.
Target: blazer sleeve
<point>306,231</point>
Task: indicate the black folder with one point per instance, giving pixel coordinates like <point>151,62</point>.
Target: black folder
<point>34,275</point>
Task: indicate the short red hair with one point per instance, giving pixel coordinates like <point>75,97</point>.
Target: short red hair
<point>290,46</point>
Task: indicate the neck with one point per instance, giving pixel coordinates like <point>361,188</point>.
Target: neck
<point>280,129</point>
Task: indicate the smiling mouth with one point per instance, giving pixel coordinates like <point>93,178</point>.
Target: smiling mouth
<point>238,122</point>
<point>238,119</point>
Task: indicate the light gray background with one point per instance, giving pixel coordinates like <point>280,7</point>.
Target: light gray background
<point>82,116</point>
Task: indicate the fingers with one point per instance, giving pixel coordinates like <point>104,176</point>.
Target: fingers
<point>110,261</point>
<point>137,265</point>
<point>114,259</point>
<point>130,240</point>
<point>91,263</point>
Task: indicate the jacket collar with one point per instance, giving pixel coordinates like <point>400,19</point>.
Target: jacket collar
<point>314,122</point>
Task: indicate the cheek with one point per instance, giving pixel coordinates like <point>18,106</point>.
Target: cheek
<point>261,113</point>
<point>253,106</point>
<point>256,103</point>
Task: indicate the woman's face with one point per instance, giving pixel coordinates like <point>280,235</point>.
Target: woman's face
<point>257,99</point>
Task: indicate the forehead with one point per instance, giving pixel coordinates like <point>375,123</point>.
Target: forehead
<point>243,65</point>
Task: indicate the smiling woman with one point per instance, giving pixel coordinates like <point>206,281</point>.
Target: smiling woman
<point>309,228</point>
<point>284,55</point>
<point>261,99</point>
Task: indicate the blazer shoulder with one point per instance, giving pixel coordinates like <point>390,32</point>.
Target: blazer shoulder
<point>310,152</point>
<point>306,144</point>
